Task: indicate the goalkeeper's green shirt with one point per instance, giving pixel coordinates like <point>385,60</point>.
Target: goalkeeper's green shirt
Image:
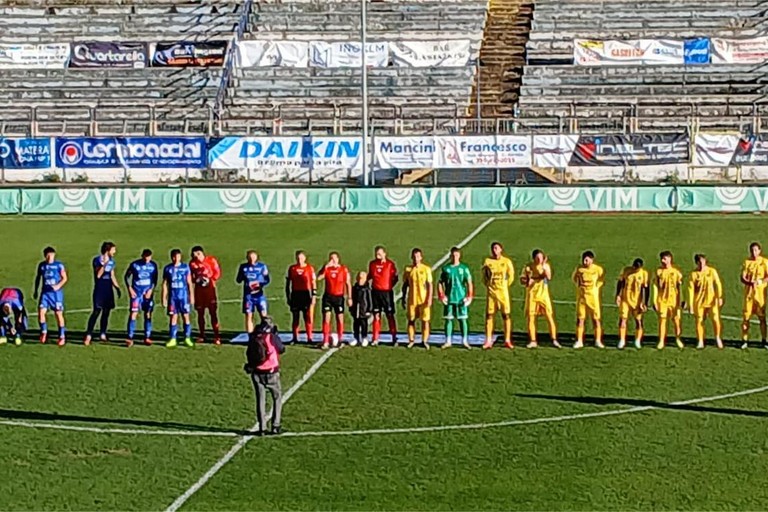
<point>455,279</point>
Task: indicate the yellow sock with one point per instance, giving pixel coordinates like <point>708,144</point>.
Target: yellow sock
<point>411,332</point>
<point>532,328</point>
<point>662,330</point>
<point>552,326</point>
<point>580,332</point>
<point>700,330</point>
<point>623,333</point>
<point>598,332</point>
<point>717,325</point>
<point>639,334</point>
<point>507,329</point>
<point>425,333</point>
<point>489,329</point>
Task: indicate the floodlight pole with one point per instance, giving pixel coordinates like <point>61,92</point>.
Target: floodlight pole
<point>364,160</point>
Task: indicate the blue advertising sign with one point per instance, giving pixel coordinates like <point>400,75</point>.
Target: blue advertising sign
<point>696,51</point>
<point>25,153</point>
<point>131,153</point>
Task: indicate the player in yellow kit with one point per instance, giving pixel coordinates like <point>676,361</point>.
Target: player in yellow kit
<point>632,299</point>
<point>589,278</point>
<point>666,298</point>
<point>498,276</point>
<point>417,297</point>
<point>705,298</point>
<point>754,276</point>
<point>536,277</point>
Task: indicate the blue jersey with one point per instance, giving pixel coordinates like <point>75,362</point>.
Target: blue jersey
<point>177,278</point>
<point>142,276</point>
<point>254,278</point>
<point>50,274</point>
<point>103,283</point>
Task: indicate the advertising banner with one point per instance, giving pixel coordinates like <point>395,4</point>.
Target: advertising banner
<point>34,56</point>
<point>592,199</point>
<point>739,51</point>
<point>10,201</point>
<point>101,200</point>
<point>427,200</point>
<point>553,151</point>
<point>426,54</point>
<point>722,199</point>
<point>263,200</point>
<point>496,151</point>
<point>190,54</point>
<point>25,153</point>
<point>100,54</point>
<point>631,150</point>
<point>348,54</point>
<point>416,152</point>
<point>289,54</point>
<point>588,52</point>
<point>715,149</point>
<point>697,51</point>
<point>131,152</point>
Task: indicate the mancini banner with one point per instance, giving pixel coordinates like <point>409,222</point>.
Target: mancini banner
<point>453,152</point>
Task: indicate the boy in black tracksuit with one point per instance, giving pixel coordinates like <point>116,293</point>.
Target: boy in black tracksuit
<point>362,305</point>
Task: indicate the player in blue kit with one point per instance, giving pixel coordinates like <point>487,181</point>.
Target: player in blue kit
<point>13,315</point>
<point>177,297</point>
<point>140,281</point>
<point>104,287</point>
<point>52,275</point>
<point>254,275</point>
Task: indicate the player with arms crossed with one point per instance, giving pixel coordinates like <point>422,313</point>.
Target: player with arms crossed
<point>13,315</point>
<point>417,297</point>
<point>141,280</point>
<point>338,286</point>
<point>754,277</point>
<point>666,302</point>
<point>206,271</point>
<point>382,273</point>
<point>589,279</point>
<point>498,276</point>
<point>301,294</point>
<point>104,287</point>
<point>705,298</point>
<point>177,297</point>
<point>632,295</point>
<point>53,276</point>
<point>536,277</point>
<point>456,290</point>
<point>254,276</point>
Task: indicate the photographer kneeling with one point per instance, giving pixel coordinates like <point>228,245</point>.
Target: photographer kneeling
<point>263,355</point>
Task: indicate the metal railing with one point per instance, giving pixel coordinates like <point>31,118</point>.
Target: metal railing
<point>229,59</point>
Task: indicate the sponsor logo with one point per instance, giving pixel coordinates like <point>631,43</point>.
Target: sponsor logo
<point>398,198</point>
<point>71,153</point>
<point>73,198</point>
<point>140,152</point>
<point>234,200</point>
<point>731,197</point>
<point>563,198</point>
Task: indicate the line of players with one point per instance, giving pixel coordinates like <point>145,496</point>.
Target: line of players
<point>193,285</point>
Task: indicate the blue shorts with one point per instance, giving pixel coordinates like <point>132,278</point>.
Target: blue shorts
<point>141,303</point>
<point>52,300</point>
<point>256,303</point>
<point>180,306</point>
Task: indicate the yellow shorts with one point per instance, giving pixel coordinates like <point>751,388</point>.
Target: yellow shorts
<point>752,308</point>
<point>418,312</point>
<point>587,308</point>
<point>539,308</point>
<point>496,304</point>
<point>669,311</point>
<point>702,313</point>
<point>626,310</point>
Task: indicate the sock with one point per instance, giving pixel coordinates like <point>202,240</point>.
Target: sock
<point>552,327</point>
<point>43,328</point>
<point>745,330</point>
<point>62,331</point>
<point>579,332</point>
<point>201,323</point>
<point>598,332</point>
<point>662,329</point>
<point>173,331</point>
<point>762,329</point>
<point>187,330</point>
<point>532,328</point>
<point>364,327</point>
<point>622,333</point>
<point>508,329</point>
<point>295,327</point>
<point>2,331</point>
<point>411,331</point>
<point>700,330</point>
<point>131,328</point>
<point>717,325</point>
<point>489,329</point>
<point>215,322</point>
<point>308,326</point>
<point>92,322</point>
<point>340,328</point>
<point>326,331</point>
<point>425,334</point>
<point>376,328</point>
<point>392,323</point>
<point>104,326</point>
<point>464,326</point>
<point>639,333</point>
<point>147,328</point>
<point>448,330</point>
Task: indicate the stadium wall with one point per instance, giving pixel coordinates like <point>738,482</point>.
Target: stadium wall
<point>194,200</point>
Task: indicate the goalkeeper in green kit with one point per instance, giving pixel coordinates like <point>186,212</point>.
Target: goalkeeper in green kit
<point>455,291</point>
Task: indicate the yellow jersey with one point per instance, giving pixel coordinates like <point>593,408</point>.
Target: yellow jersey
<point>755,270</point>
<point>667,286</point>
<point>498,276</point>
<point>704,289</point>
<point>634,279</point>
<point>418,278</point>
<point>589,280</point>
<point>537,289</point>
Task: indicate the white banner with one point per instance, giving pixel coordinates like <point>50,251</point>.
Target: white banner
<point>739,51</point>
<point>553,151</point>
<point>289,54</point>
<point>499,151</point>
<point>714,149</point>
<point>43,56</point>
<point>348,55</point>
<point>424,54</point>
<point>404,152</point>
<point>587,52</point>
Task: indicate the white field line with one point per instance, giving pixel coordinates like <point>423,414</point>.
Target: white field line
<point>181,500</point>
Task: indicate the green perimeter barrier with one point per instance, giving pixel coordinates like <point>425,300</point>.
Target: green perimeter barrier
<point>252,200</point>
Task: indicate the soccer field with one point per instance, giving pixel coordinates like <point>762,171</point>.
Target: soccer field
<point>105,427</point>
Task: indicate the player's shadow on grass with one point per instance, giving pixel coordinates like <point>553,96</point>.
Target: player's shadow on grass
<point>634,402</point>
<point>11,414</point>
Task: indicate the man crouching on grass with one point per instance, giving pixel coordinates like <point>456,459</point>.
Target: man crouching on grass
<point>263,365</point>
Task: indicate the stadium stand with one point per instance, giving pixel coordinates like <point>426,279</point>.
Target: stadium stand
<point>560,96</point>
<point>111,101</point>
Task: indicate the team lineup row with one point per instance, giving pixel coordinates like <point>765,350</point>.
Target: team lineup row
<point>185,286</point>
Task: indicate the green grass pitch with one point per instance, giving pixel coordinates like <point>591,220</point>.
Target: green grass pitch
<point>700,455</point>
